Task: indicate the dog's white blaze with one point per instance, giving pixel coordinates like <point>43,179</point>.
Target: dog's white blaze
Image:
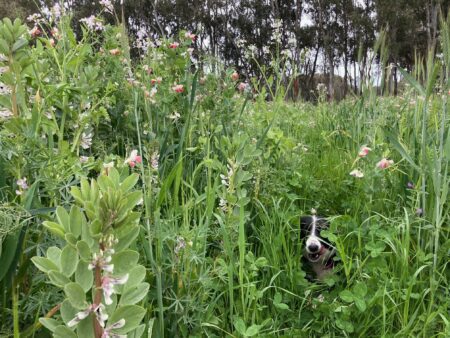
<point>313,239</point>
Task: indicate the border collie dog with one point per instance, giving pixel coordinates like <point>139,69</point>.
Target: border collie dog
<point>318,253</point>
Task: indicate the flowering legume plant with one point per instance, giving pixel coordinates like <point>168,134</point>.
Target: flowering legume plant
<point>100,275</point>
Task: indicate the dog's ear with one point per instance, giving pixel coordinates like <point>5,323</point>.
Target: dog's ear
<point>305,222</point>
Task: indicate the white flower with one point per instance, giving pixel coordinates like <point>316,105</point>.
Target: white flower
<point>175,116</point>
<point>82,315</point>
<point>22,182</point>
<point>223,205</point>
<point>357,173</point>
<point>108,165</point>
<point>117,325</point>
<point>5,113</point>
<point>86,140</point>
<point>107,5</point>
<point>154,160</point>
<point>93,23</point>
<point>108,283</point>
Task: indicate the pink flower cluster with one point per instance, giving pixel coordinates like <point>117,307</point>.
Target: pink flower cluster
<point>133,159</point>
<point>363,152</point>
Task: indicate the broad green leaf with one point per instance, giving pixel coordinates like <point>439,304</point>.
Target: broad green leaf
<point>125,241</point>
<point>19,44</point>
<point>123,261</point>
<point>63,218</point>
<point>85,329</point>
<point>69,260</point>
<point>129,182</point>
<point>84,251</point>
<point>67,311</point>
<point>76,193</point>
<point>58,279</point>
<point>44,264</point>
<point>63,332</point>
<point>360,304</point>
<point>132,314</point>
<point>133,199</point>
<point>135,276</point>
<point>346,296</point>
<point>76,296</point>
<point>137,333</point>
<point>360,290</point>
<point>55,228</point>
<point>95,228</point>
<point>252,330</point>
<point>54,254</point>
<point>84,276</point>
<point>134,294</point>
<point>105,183</point>
<point>76,221</point>
<point>240,326</point>
<point>49,323</point>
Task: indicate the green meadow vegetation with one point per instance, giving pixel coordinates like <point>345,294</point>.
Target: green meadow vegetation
<point>147,197</point>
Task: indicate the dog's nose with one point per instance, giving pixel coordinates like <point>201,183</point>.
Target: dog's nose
<point>313,248</point>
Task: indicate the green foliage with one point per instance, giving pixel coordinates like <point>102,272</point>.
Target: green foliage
<point>198,191</point>
<point>96,254</point>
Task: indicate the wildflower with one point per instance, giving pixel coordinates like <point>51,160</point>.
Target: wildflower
<point>364,151</point>
<point>108,6</point>
<point>147,69</point>
<point>22,184</point>
<point>97,309</point>
<point>86,140</point>
<point>117,325</point>
<point>82,315</point>
<point>115,51</point>
<point>181,244</point>
<point>84,159</point>
<point>175,116</point>
<point>55,32</point>
<point>242,86</point>
<point>178,88</point>
<point>357,173</point>
<point>410,185</point>
<point>235,76</point>
<point>108,283</point>
<point>223,205</point>
<point>35,32</point>
<point>133,159</point>
<point>5,113</point>
<point>384,163</point>
<point>93,23</point>
<point>174,45</point>
<point>154,161</point>
<point>419,212</point>
<point>189,35</point>
<point>52,42</point>
<point>108,166</point>
<point>36,18</point>
<point>102,260</point>
<point>157,80</point>
<point>56,11</point>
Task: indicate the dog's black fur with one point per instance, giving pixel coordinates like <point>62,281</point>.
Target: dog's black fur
<point>317,252</point>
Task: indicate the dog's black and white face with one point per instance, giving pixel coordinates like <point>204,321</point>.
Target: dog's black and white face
<point>317,251</point>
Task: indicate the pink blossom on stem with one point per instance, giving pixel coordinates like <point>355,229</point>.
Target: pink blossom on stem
<point>364,151</point>
<point>178,88</point>
<point>384,163</point>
